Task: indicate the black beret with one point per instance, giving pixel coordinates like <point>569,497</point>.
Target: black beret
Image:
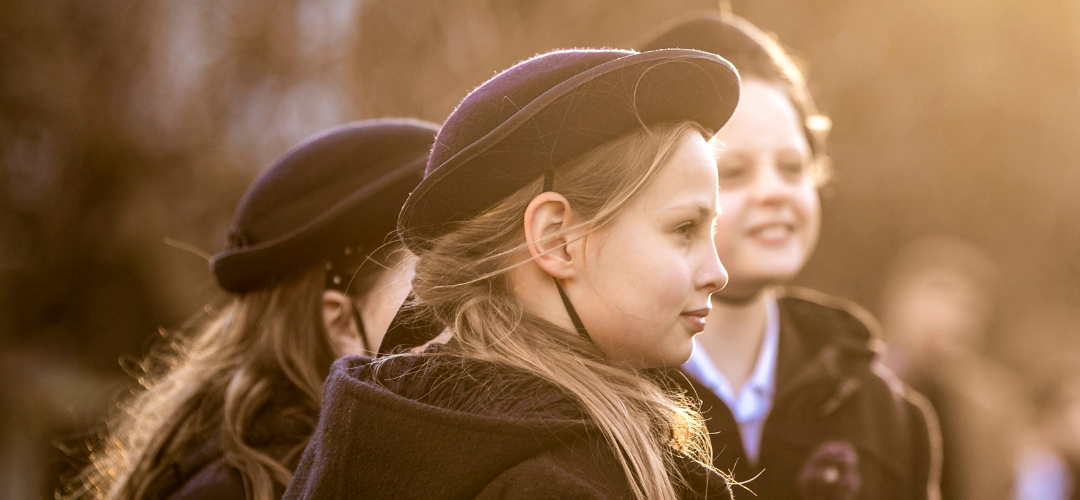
<point>713,32</point>
<point>754,52</point>
<point>751,50</point>
<point>340,187</point>
<point>546,111</point>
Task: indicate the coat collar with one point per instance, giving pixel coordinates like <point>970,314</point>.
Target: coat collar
<point>828,347</point>
<point>515,415</point>
<point>823,340</point>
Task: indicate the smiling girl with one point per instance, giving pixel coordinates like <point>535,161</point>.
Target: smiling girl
<point>791,382</point>
<point>528,231</point>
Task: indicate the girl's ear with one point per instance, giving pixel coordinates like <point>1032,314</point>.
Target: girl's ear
<point>341,328</point>
<point>546,219</point>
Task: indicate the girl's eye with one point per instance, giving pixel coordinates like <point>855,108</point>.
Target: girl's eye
<point>730,172</point>
<point>792,168</point>
<point>685,228</point>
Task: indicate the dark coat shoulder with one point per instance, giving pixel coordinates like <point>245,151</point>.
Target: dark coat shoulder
<point>577,471</point>
<point>203,473</point>
<point>841,425</point>
<point>419,428</point>
<point>215,481</point>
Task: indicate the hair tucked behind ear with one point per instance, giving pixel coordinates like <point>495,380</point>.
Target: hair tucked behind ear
<point>463,281</point>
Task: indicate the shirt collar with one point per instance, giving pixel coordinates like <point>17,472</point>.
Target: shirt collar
<point>754,400</point>
<point>763,378</point>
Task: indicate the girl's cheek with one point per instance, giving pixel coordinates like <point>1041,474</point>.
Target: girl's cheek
<point>674,285</point>
<point>649,273</point>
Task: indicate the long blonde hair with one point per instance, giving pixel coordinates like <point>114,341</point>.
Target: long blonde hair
<point>251,375</point>
<point>462,281</point>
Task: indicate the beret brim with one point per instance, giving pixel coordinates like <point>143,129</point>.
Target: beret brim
<point>369,211</point>
<point>571,118</point>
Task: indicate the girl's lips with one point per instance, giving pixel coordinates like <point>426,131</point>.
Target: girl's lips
<point>773,233</point>
<point>695,323</point>
<point>695,320</point>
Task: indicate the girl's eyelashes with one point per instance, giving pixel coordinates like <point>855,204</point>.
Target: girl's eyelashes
<point>793,169</point>
<point>690,229</point>
<point>685,228</point>
<point>728,172</point>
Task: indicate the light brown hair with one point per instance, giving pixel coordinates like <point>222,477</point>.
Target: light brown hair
<point>760,55</point>
<point>463,281</point>
<point>249,375</point>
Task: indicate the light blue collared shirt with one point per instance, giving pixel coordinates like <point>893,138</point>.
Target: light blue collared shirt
<point>752,404</point>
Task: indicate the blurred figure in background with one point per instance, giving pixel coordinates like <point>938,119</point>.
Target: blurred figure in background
<point>1049,465</point>
<point>793,373</point>
<point>938,307</point>
<point>316,274</point>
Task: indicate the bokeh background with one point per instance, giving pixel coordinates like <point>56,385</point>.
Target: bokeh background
<point>129,131</point>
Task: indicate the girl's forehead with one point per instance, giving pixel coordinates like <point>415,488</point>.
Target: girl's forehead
<point>687,181</point>
<point>764,118</point>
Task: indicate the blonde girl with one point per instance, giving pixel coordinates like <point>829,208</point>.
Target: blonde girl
<point>564,237</point>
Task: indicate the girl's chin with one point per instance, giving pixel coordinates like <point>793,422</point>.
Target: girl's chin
<point>672,357</point>
<point>679,354</point>
<point>745,288</point>
<point>763,271</point>
<point>677,361</point>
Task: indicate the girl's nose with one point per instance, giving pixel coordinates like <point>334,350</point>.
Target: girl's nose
<point>769,185</point>
<point>712,275</point>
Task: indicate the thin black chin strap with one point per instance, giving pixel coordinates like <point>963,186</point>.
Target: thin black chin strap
<point>571,311</point>
<point>549,183</point>
<point>361,330</point>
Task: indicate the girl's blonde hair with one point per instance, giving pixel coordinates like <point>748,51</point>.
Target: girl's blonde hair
<point>251,375</point>
<point>264,355</point>
<point>463,281</point>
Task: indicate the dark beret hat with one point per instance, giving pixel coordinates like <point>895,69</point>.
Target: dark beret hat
<point>546,111</point>
<point>710,32</point>
<point>340,187</point>
<point>754,52</point>
<point>751,50</point>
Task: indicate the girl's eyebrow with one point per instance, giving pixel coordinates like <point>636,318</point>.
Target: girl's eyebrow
<point>731,153</point>
<point>703,210</point>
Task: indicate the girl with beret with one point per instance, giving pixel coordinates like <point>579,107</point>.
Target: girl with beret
<point>527,229</point>
<point>225,412</point>
<point>790,380</point>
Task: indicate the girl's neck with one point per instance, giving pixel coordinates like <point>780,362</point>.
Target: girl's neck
<point>733,336</point>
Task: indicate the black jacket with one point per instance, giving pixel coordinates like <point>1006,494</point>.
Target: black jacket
<point>841,426</point>
<point>202,475</point>
<point>438,426</point>
<point>206,473</point>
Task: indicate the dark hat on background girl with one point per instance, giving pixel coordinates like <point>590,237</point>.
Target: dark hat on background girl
<point>336,192</point>
<point>754,52</point>
<point>721,33</point>
<point>545,111</point>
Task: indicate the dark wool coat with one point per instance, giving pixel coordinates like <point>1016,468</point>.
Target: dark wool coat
<point>438,426</point>
<point>205,472</point>
<point>841,426</point>
<point>203,475</point>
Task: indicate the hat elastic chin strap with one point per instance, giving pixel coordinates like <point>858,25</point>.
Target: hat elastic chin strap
<point>549,182</point>
<point>571,311</point>
<point>361,330</point>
